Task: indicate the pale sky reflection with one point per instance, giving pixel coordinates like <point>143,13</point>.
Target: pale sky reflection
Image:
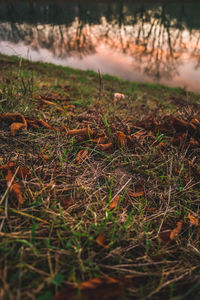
<point>170,57</point>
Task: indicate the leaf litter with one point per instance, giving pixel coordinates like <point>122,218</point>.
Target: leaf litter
<point>151,162</point>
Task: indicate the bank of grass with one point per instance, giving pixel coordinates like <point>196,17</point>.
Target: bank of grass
<point>50,241</point>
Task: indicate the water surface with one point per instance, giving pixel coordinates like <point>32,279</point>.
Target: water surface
<point>140,41</point>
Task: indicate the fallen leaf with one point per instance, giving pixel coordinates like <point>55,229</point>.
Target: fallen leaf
<point>101,239</point>
<point>192,142</point>
<point>194,221</point>
<point>114,202</point>
<point>100,140</point>
<point>105,147</point>
<point>58,108</point>
<point>175,232</point>
<point>121,137</point>
<point>81,155</point>
<point>100,288</point>
<point>7,165</point>
<point>43,155</point>
<point>180,139</point>
<point>14,187</point>
<point>181,125</point>
<point>15,127</point>
<point>23,173</point>
<point>45,124</point>
<point>84,131</point>
<point>14,117</point>
<point>136,194</point>
<point>164,235</point>
<point>195,122</point>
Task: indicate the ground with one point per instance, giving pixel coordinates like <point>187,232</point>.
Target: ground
<point>99,192</point>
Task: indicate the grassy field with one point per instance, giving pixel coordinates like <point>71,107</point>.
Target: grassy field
<point>99,192</point>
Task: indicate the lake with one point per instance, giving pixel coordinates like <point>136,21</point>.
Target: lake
<point>140,41</point>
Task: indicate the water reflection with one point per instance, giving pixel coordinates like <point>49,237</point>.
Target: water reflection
<point>144,42</point>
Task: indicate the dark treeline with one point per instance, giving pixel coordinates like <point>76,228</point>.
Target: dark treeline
<point>125,12</point>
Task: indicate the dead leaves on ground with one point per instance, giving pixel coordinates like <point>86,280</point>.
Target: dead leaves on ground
<point>100,288</point>
<point>11,171</point>
<point>167,235</point>
<point>81,155</point>
<point>193,220</point>
<point>14,187</point>
<point>114,202</point>
<point>101,240</point>
<point>15,126</point>
<point>175,232</point>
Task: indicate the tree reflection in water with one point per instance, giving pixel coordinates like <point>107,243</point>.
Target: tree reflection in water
<point>159,37</point>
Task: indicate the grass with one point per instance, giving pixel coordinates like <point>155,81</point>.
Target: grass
<point>50,242</point>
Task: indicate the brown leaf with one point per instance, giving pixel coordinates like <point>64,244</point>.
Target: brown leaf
<point>100,140</point>
<point>101,239</point>
<point>164,235</point>
<point>14,187</point>
<point>14,117</point>
<point>43,155</point>
<point>58,108</point>
<point>114,202</point>
<point>7,165</point>
<point>23,173</point>
<point>15,127</point>
<point>84,131</point>
<point>121,137</point>
<point>45,124</point>
<point>181,125</point>
<point>175,232</point>
<point>192,142</point>
<point>136,194</point>
<point>105,147</point>
<point>194,221</point>
<point>101,288</point>
<point>81,155</point>
<point>180,139</point>
<point>195,122</point>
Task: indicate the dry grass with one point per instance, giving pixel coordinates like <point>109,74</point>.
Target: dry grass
<point>50,241</point>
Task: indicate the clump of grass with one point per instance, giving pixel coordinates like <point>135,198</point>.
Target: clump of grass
<point>17,89</point>
<point>51,240</point>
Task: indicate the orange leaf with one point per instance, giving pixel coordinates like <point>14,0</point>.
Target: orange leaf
<point>43,155</point>
<point>14,187</point>
<point>15,127</point>
<point>195,122</point>
<point>84,131</point>
<point>114,202</point>
<point>8,165</point>
<point>121,137</point>
<point>53,104</point>
<point>14,116</point>
<point>101,288</point>
<point>175,232</point>
<point>137,194</point>
<point>101,239</point>
<point>45,124</point>
<point>100,140</point>
<point>105,147</point>
<point>194,221</point>
<point>81,155</point>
